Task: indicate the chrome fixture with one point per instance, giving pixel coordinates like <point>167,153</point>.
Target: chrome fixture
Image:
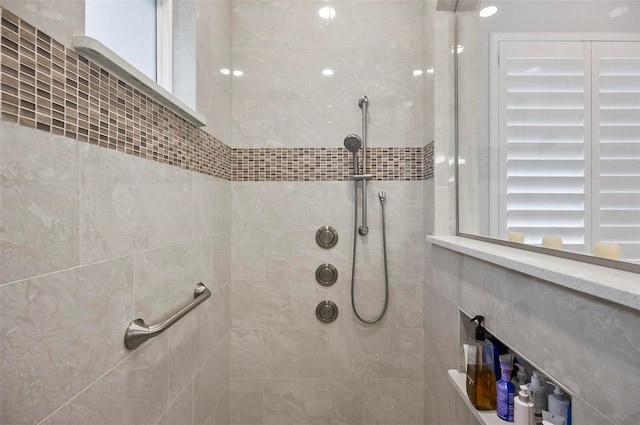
<point>327,311</point>
<point>326,274</point>
<point>352,142</point>
<point>138,331</point>
<point>363,103</point>
<point>326,237</point>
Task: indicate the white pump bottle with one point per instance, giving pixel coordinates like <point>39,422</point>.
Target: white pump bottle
<point>523,408</point>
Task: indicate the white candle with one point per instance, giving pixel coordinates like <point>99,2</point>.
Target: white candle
<point>516,237</point>
<point>553,242</point>
<point>606,250</point>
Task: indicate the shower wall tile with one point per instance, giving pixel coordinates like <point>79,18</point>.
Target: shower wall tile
<point>376,353</point>
<point>221,414</point>
<point>211,382</point>
<point>247,401</point>
<point>263,304</point>
<point>129,204</point>
<point>207,192</point>
<point>266,353</point>
<point>55,325</point>
<point>312,402</point>
<point>39,198</point>
<point>133,393</point>
<point>269,206</point>
<point>220,259</point>
<point>180,412</point>
<point>397,401</point>
<point>247,255</point>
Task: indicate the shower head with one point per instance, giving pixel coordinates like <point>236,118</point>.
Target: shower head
<point>352,142</point>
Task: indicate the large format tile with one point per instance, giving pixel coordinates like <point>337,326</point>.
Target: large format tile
<point>262,353</point>
<point>263,304</point>
<point>247,255</point>
<point>130,204</point>
<point>60,332</point>
<point>247,401</point>
<point>211,382</point>
<point>376,353</point>
<point>133,393</point>
<point>39,202</point>
<point>393,401</point>
<point>317,401</point>
<point>180,412</point>
<point>211,205</point>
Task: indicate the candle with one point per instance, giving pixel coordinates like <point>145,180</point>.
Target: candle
<point>553,242</point>
<point>606,250</point>
<point>516,237</point>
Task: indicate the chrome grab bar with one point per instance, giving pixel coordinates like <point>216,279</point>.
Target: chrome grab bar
<point>138,331</point>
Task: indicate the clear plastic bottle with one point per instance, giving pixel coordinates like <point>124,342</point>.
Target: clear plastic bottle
<point>481,379</point>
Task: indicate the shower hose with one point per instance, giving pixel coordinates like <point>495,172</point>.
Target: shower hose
<point>353,263</point>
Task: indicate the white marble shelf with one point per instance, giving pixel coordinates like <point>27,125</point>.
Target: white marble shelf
<point>488,417</point>
<point>617,286</point>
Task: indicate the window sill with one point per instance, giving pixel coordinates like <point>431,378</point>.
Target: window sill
<point>616,286</point>
<point>105,57</point>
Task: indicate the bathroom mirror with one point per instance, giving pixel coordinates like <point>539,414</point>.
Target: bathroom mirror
<point>548,116</point>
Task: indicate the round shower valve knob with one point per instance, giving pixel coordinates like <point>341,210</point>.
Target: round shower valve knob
<point>327,237</point>
<point>326,274</point>
<point>327,311</point>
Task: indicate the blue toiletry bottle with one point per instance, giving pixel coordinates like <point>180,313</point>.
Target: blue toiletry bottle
<point>505,392</point>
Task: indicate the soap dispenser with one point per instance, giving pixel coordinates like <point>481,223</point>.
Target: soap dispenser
<point>481,379</point>
<point>519,378</point>
<point>523,408</point>
<point>558,404</point>
<point>538,395</point>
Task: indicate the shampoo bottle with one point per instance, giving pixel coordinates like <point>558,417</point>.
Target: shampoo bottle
<point>505,390</point>
<point>481,380</point>
<point>523,408</point>
<point>558,404</point>
<point>538,395</point>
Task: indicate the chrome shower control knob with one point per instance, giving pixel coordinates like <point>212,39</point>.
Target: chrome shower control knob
<point>327,311</point>
<point>326,274</point>
<point>327,237</point>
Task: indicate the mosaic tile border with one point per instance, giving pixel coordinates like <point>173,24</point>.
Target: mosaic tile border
<point>321,164</point>
<point>48,86</point>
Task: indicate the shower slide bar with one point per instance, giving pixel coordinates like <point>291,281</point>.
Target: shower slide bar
<point>138,331</point>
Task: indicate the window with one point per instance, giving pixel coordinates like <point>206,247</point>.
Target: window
<point>568,135</point>
<point>139,31</point>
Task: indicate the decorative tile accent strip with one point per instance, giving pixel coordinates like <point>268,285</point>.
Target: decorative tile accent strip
<point>427,161</point>
<point>322,164</point>
<point>48,86</point>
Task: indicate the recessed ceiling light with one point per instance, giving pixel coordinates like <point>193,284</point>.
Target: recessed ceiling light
<point>327,12</point>
<point>488,11</point>
<point>430,71</point>
<point>225,71</point>
<point>618,11</point>
<point>238,73</point>
<point>327,72</point>
<point>417,72</point>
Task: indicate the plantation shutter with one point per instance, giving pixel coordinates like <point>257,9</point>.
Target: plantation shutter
<point>616,145</point>
<point>544,141</point>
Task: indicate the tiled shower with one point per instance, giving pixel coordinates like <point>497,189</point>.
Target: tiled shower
<point>112,207</point>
